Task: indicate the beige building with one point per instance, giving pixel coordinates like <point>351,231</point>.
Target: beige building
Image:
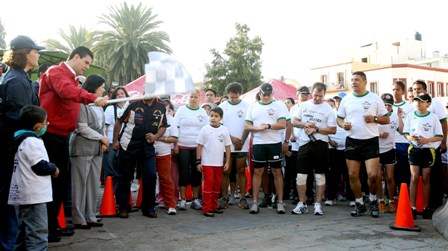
<point>385,62</point>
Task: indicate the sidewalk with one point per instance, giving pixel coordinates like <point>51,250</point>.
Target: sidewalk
<point>236,229</point>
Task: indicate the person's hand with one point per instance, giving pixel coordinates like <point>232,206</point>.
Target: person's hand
<point>443,147</point>
<point>226,167</point>
<point>384,135</point>
<point>150,138</point>
<point>285,147</point>
<point>369,118</point>
<point>400,112</point>
<point>347,126</point>
<point>199,167</point>
<point>175,150</point>
<point>333,143</point>
<point>104,141</point>
<point>104,148</point>
<point>100,101</point>
<point>56,173</point>
<point>116,146</point>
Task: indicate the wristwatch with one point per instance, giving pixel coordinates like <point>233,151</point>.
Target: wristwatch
<point>375,119</point>
<point>286,141</point>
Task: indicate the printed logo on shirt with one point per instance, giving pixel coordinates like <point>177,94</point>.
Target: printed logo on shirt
<point>366,105</point>
<point>157,118</point>
<point>271,111</point>
<point>240,113</point>
<point>201,118</point>
<point>221,137</point>
<point>427,127</point>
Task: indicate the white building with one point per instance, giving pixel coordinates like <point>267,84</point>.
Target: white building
<point>384,63</point>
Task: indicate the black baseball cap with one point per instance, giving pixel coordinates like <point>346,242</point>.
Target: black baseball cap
<point>266,88</point>
<point>423,97</point>
<point>24,42</point>
<point>303,89</point>
<point>388,99</point>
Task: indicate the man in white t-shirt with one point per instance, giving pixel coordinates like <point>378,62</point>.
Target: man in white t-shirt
<point>316,118</point>
<point>266,119</point>
<point>402,171</point>
<point>360,113</point>
<point>235,111</point>
<point>436,107</point>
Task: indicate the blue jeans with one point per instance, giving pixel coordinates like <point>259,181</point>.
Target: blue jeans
<point>126,166</point>
<point>8,227</point>
<point>109,168</point>
<point>33,227</point>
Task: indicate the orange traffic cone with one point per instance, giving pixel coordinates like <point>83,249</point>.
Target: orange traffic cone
<point>61,217</point>
<point>404,219</point>
<point>139,196</point>
<point>108,208</point>
<point>420,201</point>
<point>189,193</point>
<point>248,179</point>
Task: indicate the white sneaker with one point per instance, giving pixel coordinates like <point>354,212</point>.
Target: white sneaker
<point>254,208</point>
<point>341,197</point>
<point>195,204</point>
<point>182,205</point>
<point>318,209</point>
<point>300,209</point>
<point>352,204</point>
<point>171,211</point>
<point>280,208</point>
<point>330,202</point>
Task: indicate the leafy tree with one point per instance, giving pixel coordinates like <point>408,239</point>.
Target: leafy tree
<point>75,37</point>
<point>123,51</point>
<point>2,35</point>
<point>240,62</point>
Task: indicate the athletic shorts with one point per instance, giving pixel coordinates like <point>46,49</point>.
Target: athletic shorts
<point>362,149</point>
<point>422,157</point>
<point>236,155</point>
<point>388,158</point>
<point>264,153</point>
<point>313,156</point>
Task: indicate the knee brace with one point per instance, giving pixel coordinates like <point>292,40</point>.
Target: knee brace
<point>301,179</point>
<point>320,179</point>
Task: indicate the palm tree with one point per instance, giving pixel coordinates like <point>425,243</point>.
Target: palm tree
<point>75,38</point>
<point>123,51</point>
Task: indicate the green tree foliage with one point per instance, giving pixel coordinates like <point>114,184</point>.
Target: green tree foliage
<point>240,62</point>
<point>123,51</point>
<point>2,35</point>
<point>76,37</point>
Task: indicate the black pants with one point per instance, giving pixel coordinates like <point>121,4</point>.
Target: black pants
<point>436,180</point>
<point>57,149</point>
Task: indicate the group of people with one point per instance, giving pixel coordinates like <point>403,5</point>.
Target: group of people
<point>62,136</point>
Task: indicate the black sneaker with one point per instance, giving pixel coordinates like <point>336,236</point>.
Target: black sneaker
<point>414,213</point>
<point>359,209</point>
<point>267,201</point>
<point>374,210</point>
<point>427,213</point>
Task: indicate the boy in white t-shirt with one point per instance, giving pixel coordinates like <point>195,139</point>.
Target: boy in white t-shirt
<point>213,141</point>
<point>387,155</point>
<point>423,129</point>
<point>30,188</point>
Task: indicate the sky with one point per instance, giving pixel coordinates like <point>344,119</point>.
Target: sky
<point>297,35</point>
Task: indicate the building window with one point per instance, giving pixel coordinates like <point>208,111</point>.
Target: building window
<point>374,87</point>
<point>340,81</point>
<point>323,79</point>
<point>430,88</point>
<point>440,89</point>
<point>364,60</point>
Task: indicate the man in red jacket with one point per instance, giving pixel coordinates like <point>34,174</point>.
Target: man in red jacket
<point>60,95</point>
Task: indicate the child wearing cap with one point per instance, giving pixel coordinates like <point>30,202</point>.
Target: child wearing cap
<point>424,131</point>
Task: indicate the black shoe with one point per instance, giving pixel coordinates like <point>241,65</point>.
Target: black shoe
<point>267,201</point>
<point>374,210</point>
<point>414,213</point>
<point>150,214</point>
<point>82,226</point>
<point>64,232</point>
<point>427,213</point>
<point>359,209</point>
<point>53,238</point>
<point>95,224</point>
<point>218,211</point>
<point>123,214</point>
